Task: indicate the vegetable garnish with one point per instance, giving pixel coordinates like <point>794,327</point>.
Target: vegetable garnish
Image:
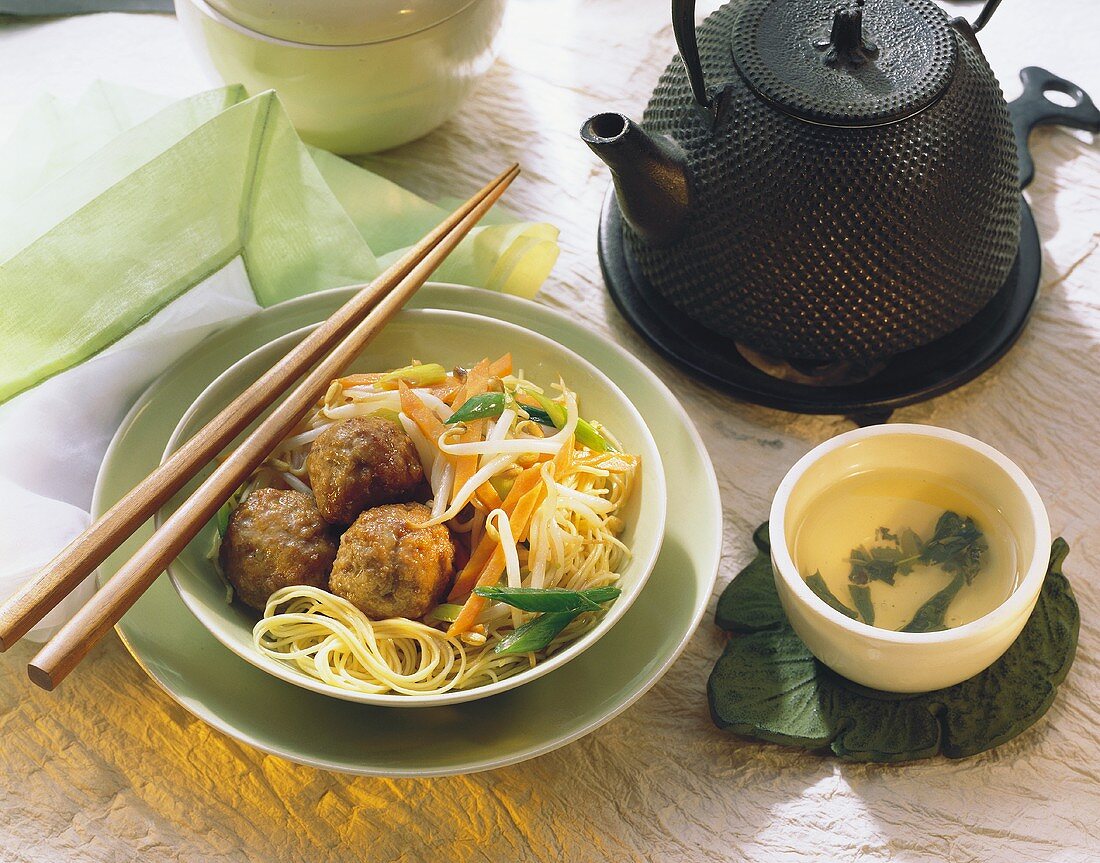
<point>559,608</point>
<point>520,522</point>
<point>550,599</point>
<point>535,634</point>
<point>477,384</point>
<point>445,611</point>
<point>387,414</point>
<point>226,510</point>
<point>424,375</point>
<point>553,414</point>
<point>481,556</point>
<point>485,406</point>
<point>414,408</point>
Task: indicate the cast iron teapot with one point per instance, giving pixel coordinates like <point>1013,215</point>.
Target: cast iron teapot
<point>820,184</point>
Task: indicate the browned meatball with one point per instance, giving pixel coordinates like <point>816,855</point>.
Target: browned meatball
<point>276,538</point>
<point>388,568</point>
<point>360,463</point>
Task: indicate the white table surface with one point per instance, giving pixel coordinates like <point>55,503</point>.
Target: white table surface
<point>110,769</point>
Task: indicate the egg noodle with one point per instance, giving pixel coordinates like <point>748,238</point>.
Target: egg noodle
<point>569,541</point>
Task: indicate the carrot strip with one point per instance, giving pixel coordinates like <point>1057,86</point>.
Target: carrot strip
<point>488,496</point>
<point>527,493</point>
<point>477,383</point>
<point>501,367</point>
<point>521,522</point>
<point>564,457</point>
<point>446,392</point>
<point>424,417</point>
<point>360,380</point>
<point>467,578</point>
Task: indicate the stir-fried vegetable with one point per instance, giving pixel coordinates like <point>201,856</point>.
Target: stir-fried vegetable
<point>485,406</point>
<point>491,573</point>
<point>553,414</point>
<point>414,408</point>
<point>477,383</point>
<point>445,611</point>
<point>387,414</point>
<point>487,562</point>
<point>559,608</point>
<point>424,375</point>
<point>226,510</point>
<point>549,599</point>
<point>535,634</point>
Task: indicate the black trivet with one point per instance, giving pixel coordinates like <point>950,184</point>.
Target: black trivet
<point>907,378</point>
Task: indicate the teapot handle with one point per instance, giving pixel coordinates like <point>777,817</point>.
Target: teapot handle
<point>683,25</point>
<point>1033,109</point>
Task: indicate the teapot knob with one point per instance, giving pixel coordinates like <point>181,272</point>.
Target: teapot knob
<point>846,45</point>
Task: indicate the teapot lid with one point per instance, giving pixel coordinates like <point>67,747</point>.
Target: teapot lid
<point>853,66</point>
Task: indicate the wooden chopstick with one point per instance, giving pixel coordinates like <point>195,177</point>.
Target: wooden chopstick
<point>78,559</point>
<point>72,643</point>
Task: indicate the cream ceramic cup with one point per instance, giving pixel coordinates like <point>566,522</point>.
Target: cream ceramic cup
<point>909,661</point>
<point>397,77</point>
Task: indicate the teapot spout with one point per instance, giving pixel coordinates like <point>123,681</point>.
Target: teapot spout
<point>650,175</point>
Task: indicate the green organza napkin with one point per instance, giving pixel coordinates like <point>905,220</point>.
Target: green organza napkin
<point>113,207</point>
<point>131,228</point>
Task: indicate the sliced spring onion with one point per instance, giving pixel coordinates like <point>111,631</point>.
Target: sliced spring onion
<point>538,415</point>
<point>485,406</point>
<point>550,599</point>
<point>226,510</point>
<point>553,414</point>
<point>589,437</point>
<point>223,516</point>
<point>502,485</point>
<point>445,611</point>
<point>424,375</point>
<point>535,634</point>
<point>388,414</point>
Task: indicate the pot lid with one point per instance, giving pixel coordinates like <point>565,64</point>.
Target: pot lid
<point>846,62</point>
<point>338,22</point>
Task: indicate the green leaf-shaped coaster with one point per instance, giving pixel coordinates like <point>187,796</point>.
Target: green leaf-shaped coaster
<point>769,686</point>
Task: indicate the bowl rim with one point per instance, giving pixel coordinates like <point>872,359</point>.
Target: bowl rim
<point>1016,604</point>
<point>652,545</point>
<point>220,17</point>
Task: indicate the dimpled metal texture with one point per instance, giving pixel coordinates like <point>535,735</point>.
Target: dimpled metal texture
<point>779,48</point>
<point>823,243</point>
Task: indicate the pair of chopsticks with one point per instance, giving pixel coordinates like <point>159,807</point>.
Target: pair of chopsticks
<point>327,350</point>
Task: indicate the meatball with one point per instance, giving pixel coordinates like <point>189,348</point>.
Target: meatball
<point>360,463</point>
<point>276,538</point>
<point>387,567</point>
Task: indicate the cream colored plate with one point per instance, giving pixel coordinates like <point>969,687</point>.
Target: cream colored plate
<point>276,717</point>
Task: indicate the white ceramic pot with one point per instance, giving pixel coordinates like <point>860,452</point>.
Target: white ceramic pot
<point>909,661</point>
<point>405,77</point>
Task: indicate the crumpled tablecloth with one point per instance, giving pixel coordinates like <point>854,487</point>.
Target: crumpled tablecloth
<point>109,768</point>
